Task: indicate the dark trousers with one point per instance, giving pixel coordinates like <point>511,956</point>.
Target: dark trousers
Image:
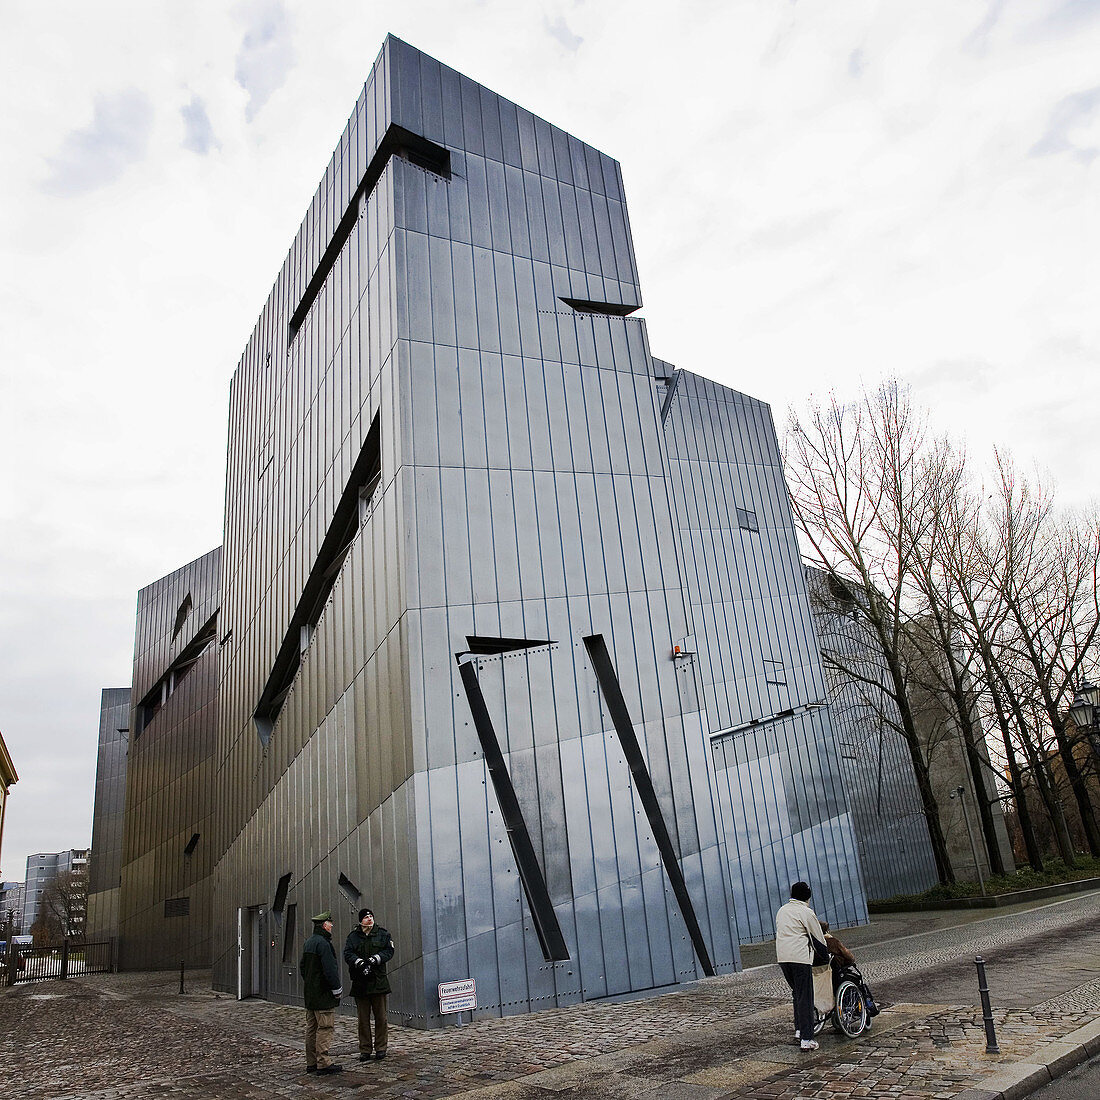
<point>372,1004</point>
<point>800,977</point>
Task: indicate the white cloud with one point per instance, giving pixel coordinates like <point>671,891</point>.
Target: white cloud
<point>266,53</point>
<point>198,134</point>
<point>95,155</point>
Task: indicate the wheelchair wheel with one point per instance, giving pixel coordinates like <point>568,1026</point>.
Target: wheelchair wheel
<point>850,1015</point>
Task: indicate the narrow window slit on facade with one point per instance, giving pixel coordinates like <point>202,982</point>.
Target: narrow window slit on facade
<point>163,689</point>
<point>746,520</point>
<point>354,507</point>
<point>608,309</point>
<point>181,616</point>
<point>397,142</point>
<point>289,932</point>
<point>349,890</point>
<point>531,877</point>
<point>620,718</point>
<point>191,845</point>
<point>281,890</point>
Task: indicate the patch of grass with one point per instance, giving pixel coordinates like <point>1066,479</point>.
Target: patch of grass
<point>1054,873</point>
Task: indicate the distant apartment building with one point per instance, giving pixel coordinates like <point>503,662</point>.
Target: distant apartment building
<point>12,895</point>
<point>8,777</point>
<point>42,869</point>
<point>105,862</point>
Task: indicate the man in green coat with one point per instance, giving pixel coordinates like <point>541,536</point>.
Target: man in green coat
<point>321,978</point>
<point>367,951</point>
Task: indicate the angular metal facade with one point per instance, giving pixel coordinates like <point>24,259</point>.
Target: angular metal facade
<point>105,859</point>
<point>468,520</point>
<point>168,849</point>
<point>875,762</point>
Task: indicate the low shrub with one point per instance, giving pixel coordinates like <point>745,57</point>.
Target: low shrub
<point>1026,878</point>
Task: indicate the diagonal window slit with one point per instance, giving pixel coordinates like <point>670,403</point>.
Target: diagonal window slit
<point>397,142</point>
<point>355,505</point>
<point>608,309</point>
<point>530,873</point>
<point>620,718</point>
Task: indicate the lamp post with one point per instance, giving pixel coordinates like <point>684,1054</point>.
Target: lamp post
<point>958,793</point>
<point>1085,712</point>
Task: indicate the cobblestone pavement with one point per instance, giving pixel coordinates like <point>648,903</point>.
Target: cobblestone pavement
<point>133,1037</point>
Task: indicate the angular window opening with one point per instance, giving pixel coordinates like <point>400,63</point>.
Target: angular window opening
<point>350,890</point>
<point>181,615</point>
<point>608,309</point>
<point>746,519</point>
<point>398,141</point>
<point>177,907</point>
<point>491,646</point>
<point>191,845</point>
<point>160,692</point>
<point>347,520</point>
<point>531,878</point>
<point>289,931</point>
<point>612,693</point>
<point>279,904</point>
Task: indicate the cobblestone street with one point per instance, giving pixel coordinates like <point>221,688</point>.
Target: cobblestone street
<point>133,1035</point>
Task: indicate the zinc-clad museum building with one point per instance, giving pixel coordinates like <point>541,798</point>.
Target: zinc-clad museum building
<point>514,642</point>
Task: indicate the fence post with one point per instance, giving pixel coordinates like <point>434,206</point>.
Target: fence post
<point>987,1011</point>
<point>64,959</point>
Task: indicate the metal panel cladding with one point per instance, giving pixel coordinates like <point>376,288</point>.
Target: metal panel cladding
<point>894,846</point>
<point>108,817</point>
<point>167,852</point>
<point>786,813</point>
<point>454,581</point>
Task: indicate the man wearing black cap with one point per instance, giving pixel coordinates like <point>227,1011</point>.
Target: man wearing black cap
<point>796,929</point>
<point>321,978</point>
<point>367,951</point>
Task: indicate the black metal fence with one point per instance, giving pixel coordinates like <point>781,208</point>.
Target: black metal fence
<point>35,964</point>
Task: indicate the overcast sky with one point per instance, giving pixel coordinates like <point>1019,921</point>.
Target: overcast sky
<point>821,194</point>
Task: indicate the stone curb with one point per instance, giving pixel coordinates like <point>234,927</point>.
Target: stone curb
<point>1023,1078</point>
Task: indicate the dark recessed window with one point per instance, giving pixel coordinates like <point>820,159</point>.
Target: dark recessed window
<point>288,932</point>
<point>281,890</point>
<point>746,520</point>
<point>351,891</point>
<point>181,615</point>
<point>177,907</point>
<point>192,844</point>
<point>774,672</point>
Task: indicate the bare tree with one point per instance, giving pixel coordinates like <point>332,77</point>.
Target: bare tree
<point>861,497</point>
<point>1045,567</point>
<point>62,909</point>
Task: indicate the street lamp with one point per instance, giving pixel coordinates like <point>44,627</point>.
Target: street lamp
<point>958,793</point>
<point>1085,712</point>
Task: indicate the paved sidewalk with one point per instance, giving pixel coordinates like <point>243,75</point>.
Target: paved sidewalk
<point>109,1037</point>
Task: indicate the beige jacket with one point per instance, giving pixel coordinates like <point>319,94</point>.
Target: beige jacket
<point>794,924</point>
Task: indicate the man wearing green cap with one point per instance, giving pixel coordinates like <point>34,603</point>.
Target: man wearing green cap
<point>321,978</point>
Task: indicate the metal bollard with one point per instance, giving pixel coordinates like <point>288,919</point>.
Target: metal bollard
<point>181,977</point>
<point>987,1012</point>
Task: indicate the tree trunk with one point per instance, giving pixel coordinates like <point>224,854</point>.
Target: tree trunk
<point>1080,792</point>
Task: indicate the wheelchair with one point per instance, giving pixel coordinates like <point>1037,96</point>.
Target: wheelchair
<point>853,1008</point>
